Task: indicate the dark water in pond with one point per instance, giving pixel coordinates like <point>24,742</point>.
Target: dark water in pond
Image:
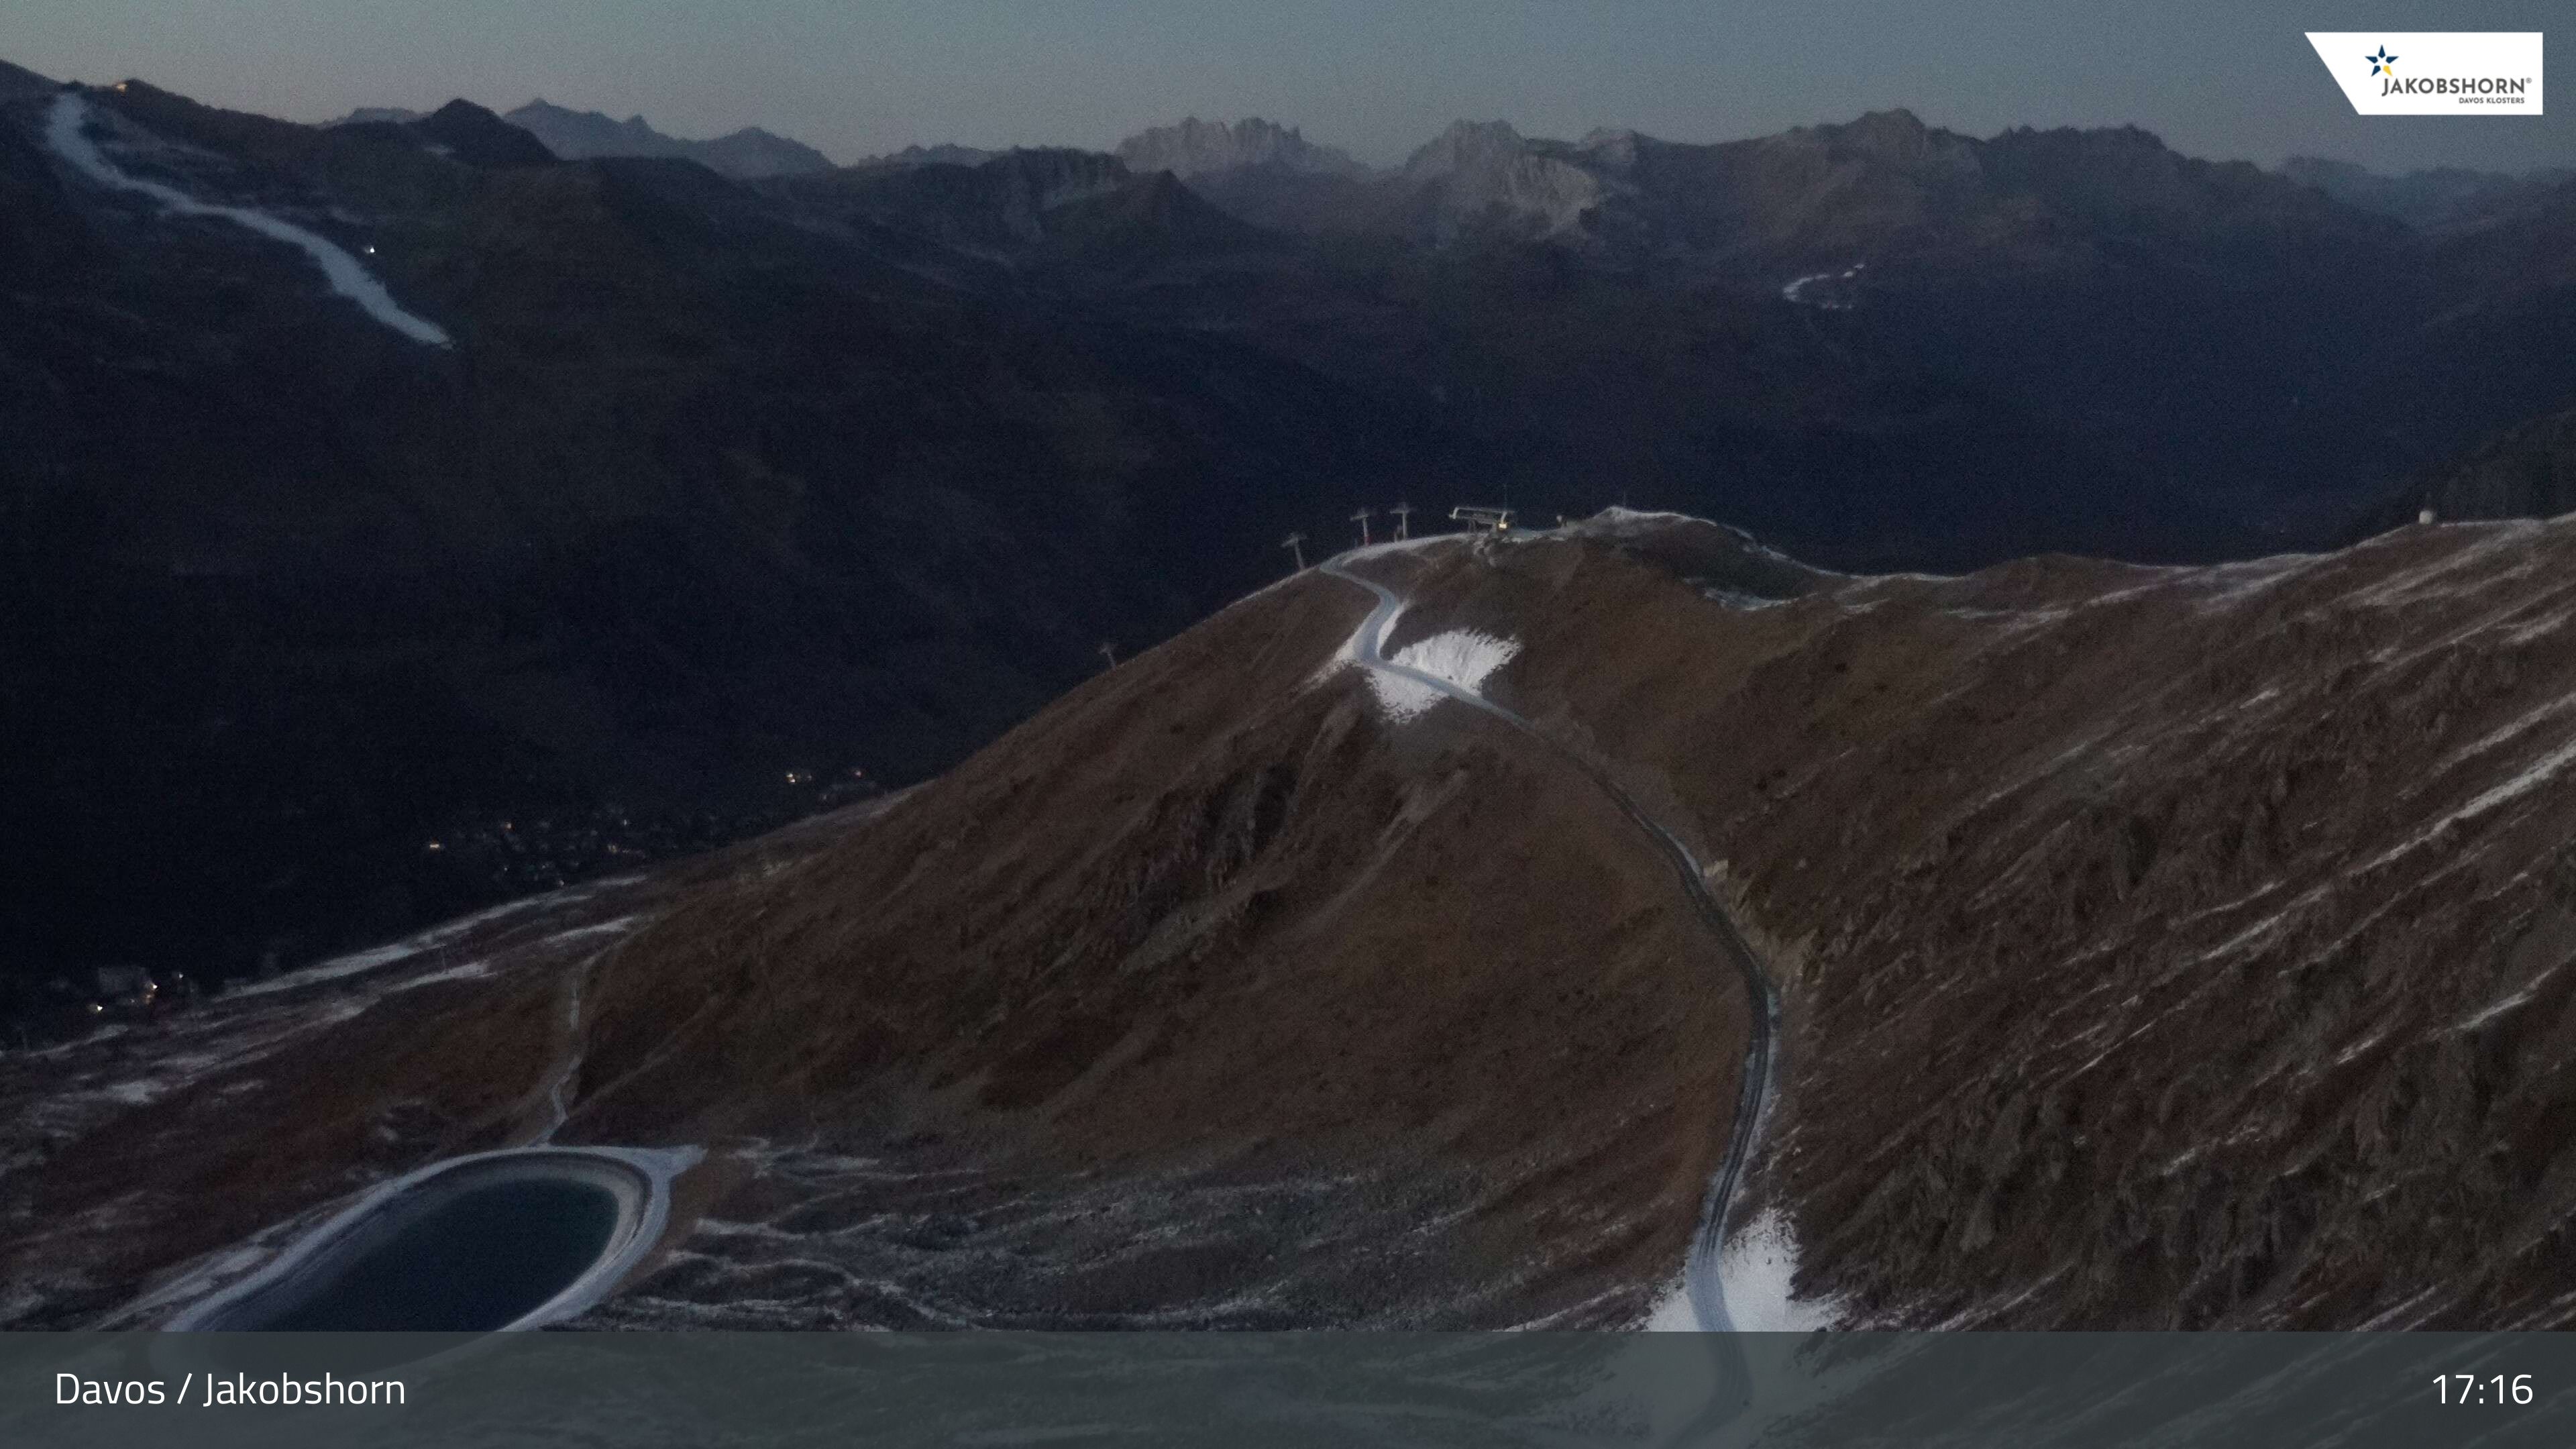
<point>480,1259</point>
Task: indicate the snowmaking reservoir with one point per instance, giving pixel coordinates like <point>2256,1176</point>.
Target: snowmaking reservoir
<point>499,1240</point>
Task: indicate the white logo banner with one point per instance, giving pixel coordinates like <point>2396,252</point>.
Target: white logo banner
<point>2434,72</point>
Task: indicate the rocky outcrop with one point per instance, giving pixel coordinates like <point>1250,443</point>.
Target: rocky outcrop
<point>943,154</point>
<point>1483,175</point>
<point>1195,148</point>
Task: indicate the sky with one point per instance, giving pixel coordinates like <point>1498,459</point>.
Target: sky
<point>2215,78</point>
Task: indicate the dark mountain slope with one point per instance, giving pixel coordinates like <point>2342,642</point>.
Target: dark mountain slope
<point>2157,948</point>
<point>2524,472</point>
<point>2439,199</point>
<point>723,487</point>
<point>997,207</point>
<point>1809,425</point>
<point>477,137</point>
<point>2194,330</point>
<point>704,495</point>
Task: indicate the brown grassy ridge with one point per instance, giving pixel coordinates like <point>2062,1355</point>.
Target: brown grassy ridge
<point>2159,948</point>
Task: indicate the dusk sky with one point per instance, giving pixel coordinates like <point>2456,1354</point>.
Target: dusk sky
<point>2218,78</point>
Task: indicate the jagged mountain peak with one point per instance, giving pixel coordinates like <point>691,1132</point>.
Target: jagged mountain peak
<point>1897,137</point>
<point>1612,149</point>
<point>1465,145</point>
<point>942,154</point>
<point>1194,147</point>
<point>1483,173</point>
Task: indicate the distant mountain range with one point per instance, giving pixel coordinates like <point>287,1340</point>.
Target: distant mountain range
<point>941,155</point>
<point>748,154</point>
<point>1270,174</point>
<point>2003,265</point>
<point>2445,196</point>
<point>721,484</point>
<point>1195,147</point>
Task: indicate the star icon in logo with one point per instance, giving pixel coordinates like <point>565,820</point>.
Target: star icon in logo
<point>2382,63</point>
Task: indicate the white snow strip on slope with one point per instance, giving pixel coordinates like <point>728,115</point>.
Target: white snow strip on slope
<point>1755,1271</point>
<point>402,950</point>
<point>2513,1001</point>
<point>2539,773</point>
<point>2512,729</point>
<point>345,273</point>
<point>470,971</point>
<point>338,966</point>
<point>557,1102</point>
<point>2458,572</point>
<point>1349,653</point>
<point>1463,657</point>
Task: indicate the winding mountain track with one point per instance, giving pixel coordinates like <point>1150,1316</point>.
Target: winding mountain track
<point>1753,1097</point>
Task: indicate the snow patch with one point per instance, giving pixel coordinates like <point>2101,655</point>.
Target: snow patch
<point>618,926</point>
<point>1459,657</point>
<point>1355,648</point>
<point>2514,729</point>
<point>2514,1001</point>
<point>1837,301</point>
<point>2222,586</point>
<point>1757,1272</point>
<point>558,1094</point>
<point>1673,1312</point>
<point>436,936</point>
<point>470,971</point>
<point>355,963</point>
<point>346,274</point>
<point>1422,673</point>
<point>2540,772</point>
<point>2460,572</point>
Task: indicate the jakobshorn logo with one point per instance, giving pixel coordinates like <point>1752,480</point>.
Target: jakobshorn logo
<point>2448,72</point>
